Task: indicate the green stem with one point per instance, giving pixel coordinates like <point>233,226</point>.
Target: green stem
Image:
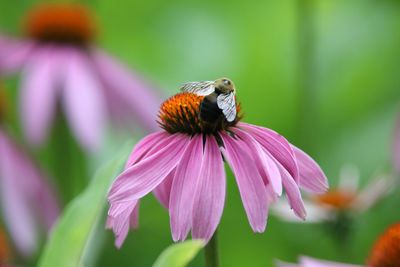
<point>211,252</point>
<point>306,73</point>
<point>68,160</point>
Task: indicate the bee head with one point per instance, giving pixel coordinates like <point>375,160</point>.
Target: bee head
<point>224,86</point>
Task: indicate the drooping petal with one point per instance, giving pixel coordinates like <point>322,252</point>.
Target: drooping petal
<point>40,87</point>
<point>22,206</point>
<point>250,183</point>
<point>120,216</point>
<point>184,187</point>
<point>140,97</point>
<point>315,213</point>
<point>267,167</point>
<point>210,193</point>
<point>141,178</point>
<point>84,101</point>
<point>14,54</point>
<point>312,178</point>
<point>144,146</point>
<point>275,144</point>
<point>134,221</point>
<point>292,192</point>
<point>162,191</point>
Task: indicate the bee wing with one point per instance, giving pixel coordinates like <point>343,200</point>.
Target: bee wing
<point>199,88</point>
<point>227,103</point>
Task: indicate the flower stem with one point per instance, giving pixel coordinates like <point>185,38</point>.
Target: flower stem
<point>68,159</point>
<point>211,252</point>
<point>306,37</point>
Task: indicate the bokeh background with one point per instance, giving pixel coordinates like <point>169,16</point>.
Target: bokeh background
<point>323,73</point>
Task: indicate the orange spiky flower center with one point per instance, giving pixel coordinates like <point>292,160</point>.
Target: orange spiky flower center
<point>5,252</point>
<point>60,23</point>
<point>181,114</point>
<point>386,251</point>
<point>337,199</point>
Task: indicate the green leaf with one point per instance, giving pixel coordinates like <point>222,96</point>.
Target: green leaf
<point>179,255</point>
<point>72,239</point>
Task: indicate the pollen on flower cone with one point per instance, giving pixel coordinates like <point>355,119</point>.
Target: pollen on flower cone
<point>71,23</point>
<point>386,251</point>
<point>180,113</point>
<point>336,199</point>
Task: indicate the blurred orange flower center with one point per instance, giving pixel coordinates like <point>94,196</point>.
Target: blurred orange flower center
<point>3,104</point>
<point>181,113</point>
<point>386,251</point>
<point>5,253</point>
<point>64,23</point>
<point>337,199</point>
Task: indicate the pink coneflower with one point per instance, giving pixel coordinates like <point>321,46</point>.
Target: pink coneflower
<point>311,262</point>
<point>59,63</point>
<point>346,199</point>
<point>184,167</point>
<point>384,253</point>
<point>27,201</point>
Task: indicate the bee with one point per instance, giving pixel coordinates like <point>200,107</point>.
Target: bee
<point>219,98</point>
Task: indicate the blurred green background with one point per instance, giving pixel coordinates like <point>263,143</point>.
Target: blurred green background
<point>323,73</point>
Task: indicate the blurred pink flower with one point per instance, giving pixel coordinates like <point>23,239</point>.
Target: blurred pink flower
<point>346,198</point>
<point>184,168</point>
<point>310,262</point>
<point>60,65</point>
<point>27,202</point>
<point>384,253</point>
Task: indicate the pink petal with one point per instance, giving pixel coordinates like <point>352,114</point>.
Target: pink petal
<point>134,221</point>
<point>312,178</point>
<point>15,206</point>
<point>310,262</point>
<point>144,146</point>
<point>143,177</point>
<point>84,101</point>
<point>163,190</point>
<point>210,193</point>
<point>121,216</point>
<point>251,186</point>
<point>121,236</point>
<point>267,167</point>
<point>279,263</point>
<point>23,205</point>
<point>13,55</point>
<point>292,192</point>
<point>120,221</point>
<point>141,98</point>
<point>275,144</point>
<point>40,87</point>
<point>184,187</point>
